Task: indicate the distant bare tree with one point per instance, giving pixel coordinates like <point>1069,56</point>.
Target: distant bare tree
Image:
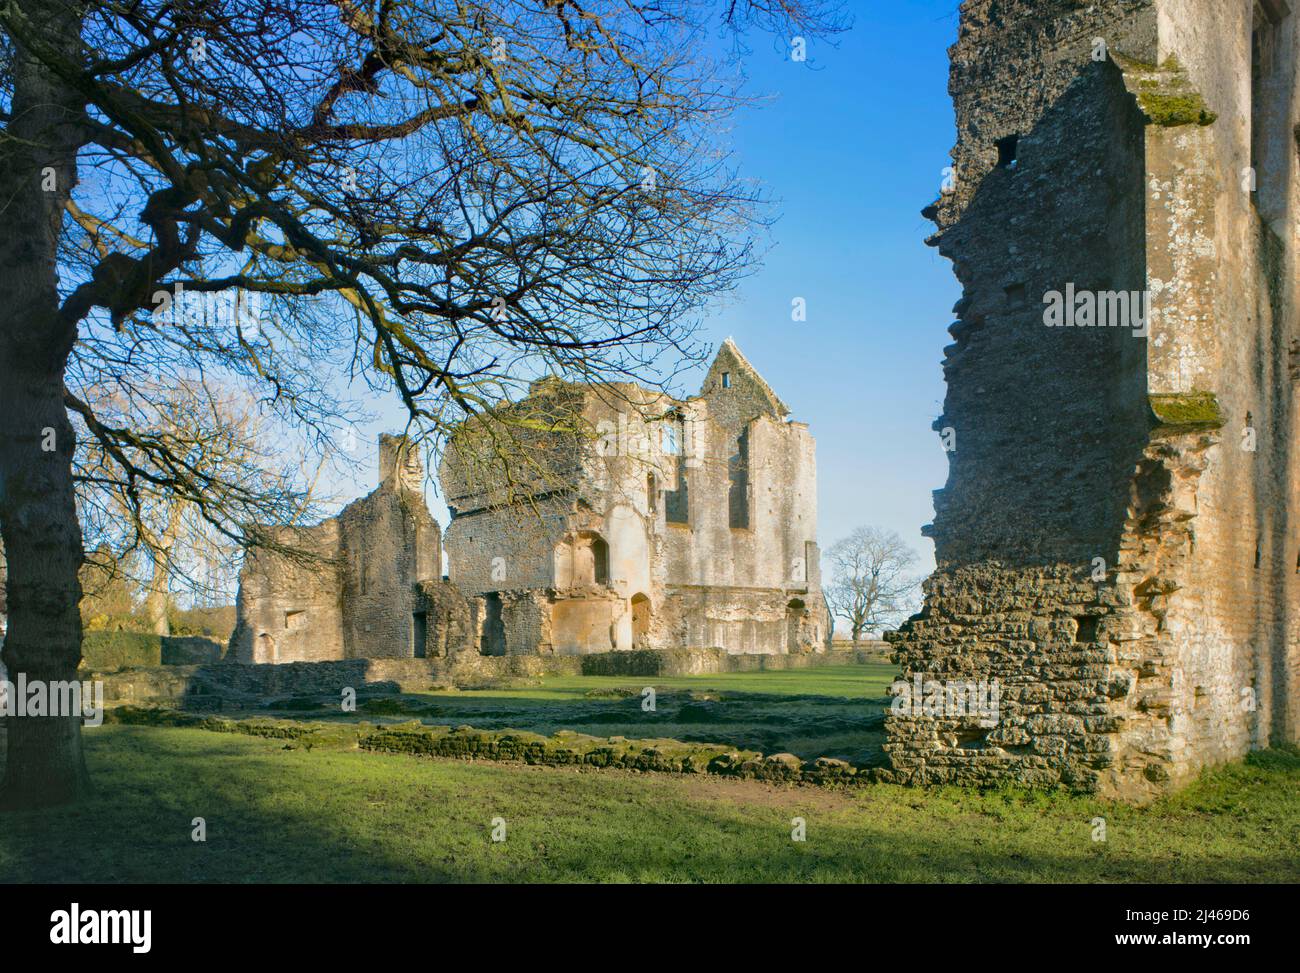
<point>871,580</point>
<point>158,537</point>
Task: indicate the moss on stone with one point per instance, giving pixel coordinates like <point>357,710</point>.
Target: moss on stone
<point>1186,410</point>
<point>1164,93</point>
<point>1170,109</point>
<point>563,748</point>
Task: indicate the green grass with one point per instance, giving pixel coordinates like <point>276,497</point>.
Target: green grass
<point>835,711</point>
<point>275,814</point>
<point>846,682</point>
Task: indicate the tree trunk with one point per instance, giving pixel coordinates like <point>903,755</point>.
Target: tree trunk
<point>160,556</point>
<point>155,612</point>
<point>38,515</point>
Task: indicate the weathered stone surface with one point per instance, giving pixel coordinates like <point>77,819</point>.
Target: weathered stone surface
<point>612,517</point>
<point>1114,543</point>
<point>563,749</point>
<point>354,592</point>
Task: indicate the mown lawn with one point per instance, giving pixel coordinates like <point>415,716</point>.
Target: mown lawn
<point>275,814</point>
<point>836,711</point>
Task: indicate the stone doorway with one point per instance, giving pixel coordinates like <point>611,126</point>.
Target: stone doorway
<point>796,618</point>
<point>493,639</point>
<point>419,634</point>
<point>640,621</point>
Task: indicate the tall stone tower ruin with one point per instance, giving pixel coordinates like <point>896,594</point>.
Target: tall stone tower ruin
<point>1116,543</point>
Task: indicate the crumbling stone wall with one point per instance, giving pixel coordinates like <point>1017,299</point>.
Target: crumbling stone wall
<point>1108,545</point>
<point>290,608</point>
<point>614,517</point>
<point>347,588</point>
<point>446,625</point>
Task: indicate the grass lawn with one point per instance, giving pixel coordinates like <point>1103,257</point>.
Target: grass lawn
<point>835,711</point>
<point>276,814</point>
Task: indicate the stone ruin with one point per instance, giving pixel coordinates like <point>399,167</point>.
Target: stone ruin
<point>586,518</point>
<point>359,585</point>
<point>1114,544</point>
<point>635,520</point>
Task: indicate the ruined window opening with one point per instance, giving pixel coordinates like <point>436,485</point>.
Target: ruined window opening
<point>652,493</point>
<point>1265,39</point>
<point>1259,554</point>
<point>419,633</point>
<point>1297,563</point>
<point>590,559</point>
<point>677,503</point>
<point>1008,151</point>
<point>1087,628</point>
<point>640,620</point>
<point>294,620</point>
<point>493,639</point>
<point>671,437</point>
<point>726,380</point>
<point>1016,295</point>
<point>677,506</point>
<point>796,625</point>
<point>738,477</point>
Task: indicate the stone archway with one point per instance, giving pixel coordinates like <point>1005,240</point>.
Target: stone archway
<point>267,650</point>
<point>640,621</point>
<point>796,618</point>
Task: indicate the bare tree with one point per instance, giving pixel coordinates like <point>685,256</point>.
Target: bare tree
<point>154,534</point>
<point>871,580</point>
<point>439,199</point>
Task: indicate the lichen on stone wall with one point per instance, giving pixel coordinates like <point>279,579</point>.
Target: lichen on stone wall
<point>1170,109</point>
<point>1178,412</point>
<point>1165,94</point>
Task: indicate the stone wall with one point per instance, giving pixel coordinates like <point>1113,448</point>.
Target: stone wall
<point>347,587</point>
<point>640,521</point>
<point>1108,545</point>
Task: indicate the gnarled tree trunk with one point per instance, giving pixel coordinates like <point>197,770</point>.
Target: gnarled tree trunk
<point>38,515</point>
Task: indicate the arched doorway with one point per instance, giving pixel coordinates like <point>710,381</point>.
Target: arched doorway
<point>492,639</point>
<point>640,621</point>
<point>267,650</point>
<point>796,617</point>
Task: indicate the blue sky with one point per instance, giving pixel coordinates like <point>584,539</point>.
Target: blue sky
<point>852,145</point>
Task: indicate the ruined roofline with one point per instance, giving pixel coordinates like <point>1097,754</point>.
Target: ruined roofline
<point>729,347</point>
<point>630,391</point>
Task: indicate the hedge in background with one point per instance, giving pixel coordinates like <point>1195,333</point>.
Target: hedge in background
<point>107,651</point>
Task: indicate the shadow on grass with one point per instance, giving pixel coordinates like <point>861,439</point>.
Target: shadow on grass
<point>832,712</point>
<point>275,814</point>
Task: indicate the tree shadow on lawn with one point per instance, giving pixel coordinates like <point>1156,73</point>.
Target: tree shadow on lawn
<point>275,815</point>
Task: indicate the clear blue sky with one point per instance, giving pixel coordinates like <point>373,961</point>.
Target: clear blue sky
<point>852,145</point>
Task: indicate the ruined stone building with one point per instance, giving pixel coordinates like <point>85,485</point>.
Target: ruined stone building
<point>616,518</point>
<point>1116,542</point>
<point>362,588</point>
<point>585,518</point>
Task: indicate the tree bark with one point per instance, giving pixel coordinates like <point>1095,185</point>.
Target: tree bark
<point>38,515</point>
<point>160,556</point>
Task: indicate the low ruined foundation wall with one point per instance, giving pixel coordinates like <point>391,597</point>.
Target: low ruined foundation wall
<point>694,662</point>
<point>230,684</point>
